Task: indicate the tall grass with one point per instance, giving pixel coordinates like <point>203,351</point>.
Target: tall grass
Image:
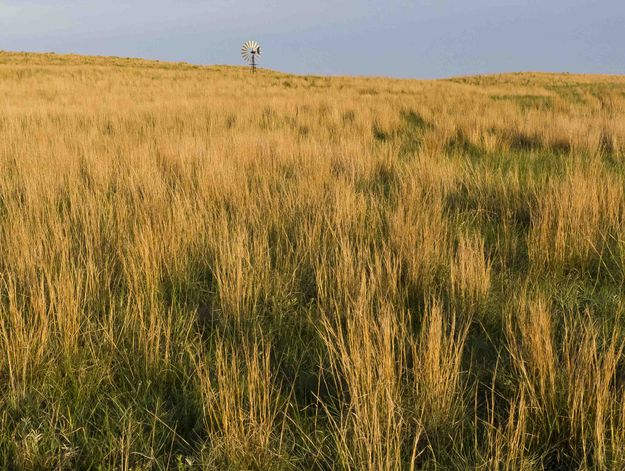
<point>204,268</point>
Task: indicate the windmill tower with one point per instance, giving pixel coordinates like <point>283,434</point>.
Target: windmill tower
<point>250,53</point>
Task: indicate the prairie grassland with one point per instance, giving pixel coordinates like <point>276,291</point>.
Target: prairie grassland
<point>205,268</point>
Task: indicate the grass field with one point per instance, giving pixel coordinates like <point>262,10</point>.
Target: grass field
<point>201,268</point>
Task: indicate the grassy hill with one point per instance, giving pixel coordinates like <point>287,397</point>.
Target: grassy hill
<point>205,268</point>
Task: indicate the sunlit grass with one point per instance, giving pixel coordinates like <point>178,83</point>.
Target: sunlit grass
<point>205,268</point>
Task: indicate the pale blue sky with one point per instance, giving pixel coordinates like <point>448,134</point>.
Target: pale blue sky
<point>402,38</point>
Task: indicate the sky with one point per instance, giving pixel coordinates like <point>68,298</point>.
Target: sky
<point>398,38</point>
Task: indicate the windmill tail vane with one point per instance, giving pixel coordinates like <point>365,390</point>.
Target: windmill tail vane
<point>251,53</point>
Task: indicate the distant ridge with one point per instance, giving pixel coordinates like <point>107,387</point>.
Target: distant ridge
<point>53,58</point>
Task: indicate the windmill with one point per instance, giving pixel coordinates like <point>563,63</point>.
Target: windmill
<point>249,52</point>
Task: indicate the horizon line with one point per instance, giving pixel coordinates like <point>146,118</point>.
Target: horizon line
<point>337,75</point>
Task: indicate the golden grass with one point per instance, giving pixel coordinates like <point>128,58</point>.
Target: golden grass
<point>201,267</point>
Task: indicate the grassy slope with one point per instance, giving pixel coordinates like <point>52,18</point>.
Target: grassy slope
<point>204,267</point>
